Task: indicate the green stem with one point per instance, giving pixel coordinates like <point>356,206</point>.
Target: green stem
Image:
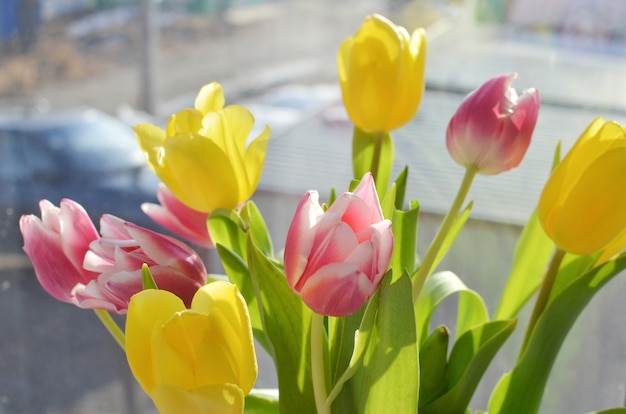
<point>544,296</point>
<point>112,327</point>
<point>317,363</point>
<point>426,267</point>
<point>378,146</point>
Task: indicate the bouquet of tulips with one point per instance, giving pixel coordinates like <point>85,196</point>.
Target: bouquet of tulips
<point>345,309</point>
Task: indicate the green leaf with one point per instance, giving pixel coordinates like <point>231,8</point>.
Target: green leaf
<point>472,310</point>
<point>227,228</point>
<point>388,380</point>
<point>470,357</point>
<point>147,281</point>
<point>404,227</point>
<point>532,253</point>
<point>348,342</point>
<point>257,228</point>
<point>572,267</point>
<point>401,187</point>
<point>521,390</point>
<point>372,152</point>
<point>388,203</point>
<point>287,324</point>
<point>433,357</point>
<point>458,224</point>
<point>262,402</point>
<point>534,249</point>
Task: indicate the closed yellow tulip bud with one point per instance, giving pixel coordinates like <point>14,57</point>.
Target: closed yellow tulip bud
<point>381,72</point>
<point>193,361</point>
<point>583,204</point>
<point>203,156</point>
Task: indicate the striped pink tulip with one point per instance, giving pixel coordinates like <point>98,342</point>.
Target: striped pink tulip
<point>179,218</point>
<point>336,259</point>
<point>492,128</point>
<point>118,257</point>
<point>56,245</point>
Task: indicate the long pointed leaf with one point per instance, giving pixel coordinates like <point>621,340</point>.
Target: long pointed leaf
<point>531,256</point>
<point>472,309</point>
<point>470,357</point>
<point>287,324</point>
<point>521,390</point>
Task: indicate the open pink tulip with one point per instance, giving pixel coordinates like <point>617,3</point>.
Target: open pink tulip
<point>118,257</point>
<point>178,218</point>
<point>336,259</point>
<point>492,128</point>
<point>56,245</point>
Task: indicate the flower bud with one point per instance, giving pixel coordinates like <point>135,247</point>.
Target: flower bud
<point>583,204</point>
<point>492,128</point>
<point>336,259</point>
<point>193,361</point>
<point>381,72</point>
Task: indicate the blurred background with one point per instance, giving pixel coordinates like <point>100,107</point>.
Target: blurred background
<point>75,75</point>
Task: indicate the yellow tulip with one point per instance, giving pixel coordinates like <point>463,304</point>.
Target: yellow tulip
<point>203,156</point>
<point>381,72</point>
<point>583,204</point>
<point>198,360</point>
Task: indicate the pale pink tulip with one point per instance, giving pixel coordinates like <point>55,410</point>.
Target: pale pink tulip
<point>492,128</point>
<point>178,218</point>
<point>336,259</point>
<point>56,245</point>
<point>118,257</point>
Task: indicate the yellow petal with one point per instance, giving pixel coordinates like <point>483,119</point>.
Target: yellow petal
<point>614,247</point>
<point>199,173</point>
<point>210,399</point>
<point>599,138</point>
<point>187,120</point>
<point>210,98</point>
<point>150,139</point>
<point>595,210</point>
<point>189,352</point>
<point>230,319</point>
<point>411,80</point>
<point>254,160</point>
<point>148,311</point>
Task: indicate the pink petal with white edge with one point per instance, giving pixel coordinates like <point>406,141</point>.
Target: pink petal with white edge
<point>338,289</point>
<point>77,231</point>
<point>301,236</point>
<point>168,251</point>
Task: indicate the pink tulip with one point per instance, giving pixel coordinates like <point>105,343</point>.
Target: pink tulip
<point>492,128</point>
<point>336,259</point>
<point>56,245</point>
<point>178,218</point>
<point>118,257</point>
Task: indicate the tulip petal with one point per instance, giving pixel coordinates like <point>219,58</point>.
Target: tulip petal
<point>300,237</point>
<point>176,359</point>
<point>597,206</point>
<point>151,139</point>
<point>337,289</point>
<point>184,173</point>
<point>210,98</point>
<point>209,399</point>
<point>148,310</point>
<point>230,322</point>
